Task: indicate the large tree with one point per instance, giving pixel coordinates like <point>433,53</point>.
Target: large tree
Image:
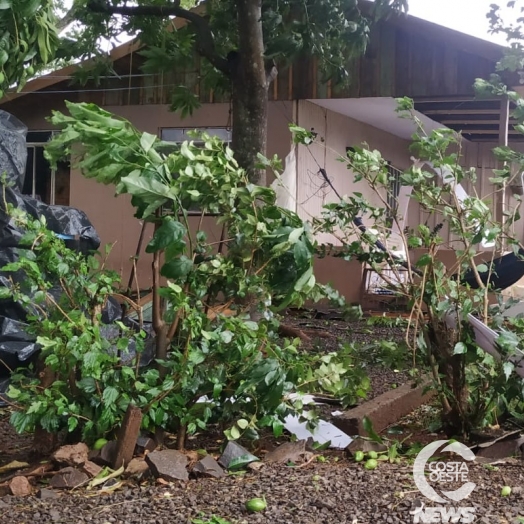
<point>241,42</point>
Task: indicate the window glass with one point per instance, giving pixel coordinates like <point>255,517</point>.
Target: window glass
<point>176,134</point>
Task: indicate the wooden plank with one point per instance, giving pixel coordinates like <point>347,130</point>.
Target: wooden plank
<point>369,67</point>
<point>475,122</point>
<point>314,76</point>
<point>419,53</point>
<point>449,74</point>
<point>127,436</point>
<point>490,132</point>
<point>387,60</point>
<point>494,111</point>
<point>501,197</point>
<point>504,122</point>
<point>402,64</point>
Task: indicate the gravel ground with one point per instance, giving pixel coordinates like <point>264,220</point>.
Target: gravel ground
<point>337,493</point>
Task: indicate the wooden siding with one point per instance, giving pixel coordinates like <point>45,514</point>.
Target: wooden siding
<point>402,59</point>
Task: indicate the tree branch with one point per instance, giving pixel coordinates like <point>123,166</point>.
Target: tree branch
<point>205,44</point>
<point>63,22</point>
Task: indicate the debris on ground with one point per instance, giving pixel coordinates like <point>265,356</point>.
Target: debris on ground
<point>68,478</point>
<point>20,486</point>
<point>208,466</point>
<point>127,437</point>
<point>71,455</point>
<point>168,464</point>
<point>235,456</point>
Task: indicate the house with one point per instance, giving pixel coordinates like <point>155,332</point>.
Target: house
<point>407,56</point>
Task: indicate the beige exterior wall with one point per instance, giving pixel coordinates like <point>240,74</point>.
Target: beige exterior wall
<point>113,217</point>
<point>336,132</point>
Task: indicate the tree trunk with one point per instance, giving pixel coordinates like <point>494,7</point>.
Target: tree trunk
<point>44,442</point>
<point>456,414</point>
<point>250,85</point>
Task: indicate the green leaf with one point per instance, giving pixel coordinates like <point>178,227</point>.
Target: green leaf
<point>145,188</point>
<point>242,461</point>
<point>508,369</point>
<point>170,233</point>
<point>295,235</point>
<point>368,428</point>
<point>304,279</point>
<point>110,395</point>
<point>72,423</point>
<point>424,260</point>
<point>234,433</point>
<point>178,268</point>
<point>146,141</point>
<point>242,423</point>
<point>301,253</point>
<point>460,348</point>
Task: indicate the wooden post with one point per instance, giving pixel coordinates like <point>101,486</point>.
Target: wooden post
<point>127,436</point>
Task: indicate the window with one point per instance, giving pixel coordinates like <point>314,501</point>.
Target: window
<point>178,135</point>
<point>394,175</point>
<point>41,182</point>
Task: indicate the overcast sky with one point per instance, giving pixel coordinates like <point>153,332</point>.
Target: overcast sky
<point>468,16</point>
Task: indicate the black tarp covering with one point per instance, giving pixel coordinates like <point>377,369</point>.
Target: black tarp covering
<point>17,347</point>
<point>505,271</point>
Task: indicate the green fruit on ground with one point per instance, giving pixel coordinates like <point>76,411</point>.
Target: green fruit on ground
<point>505,492</point>
<point>359,456</point>
<point>371,464</point>
<point>99,444</point>
<point>255,505</point>
<point>373,455</point>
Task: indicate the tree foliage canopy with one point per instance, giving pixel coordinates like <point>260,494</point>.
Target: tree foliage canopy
<point>331,30</point>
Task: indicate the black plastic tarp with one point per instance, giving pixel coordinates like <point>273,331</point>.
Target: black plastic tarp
<point>17,346</point>
<point>503,272</point>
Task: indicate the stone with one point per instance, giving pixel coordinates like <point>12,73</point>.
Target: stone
<point>168,464</point>
<point>104,456</point>
<point>210,467</point>
<point>20,486</point>
<point>46,494</point>
<point>136,468</point>
<point>68,478</point>
<point>71,455</point>
<point>384,409</point>
<point>145,445</point>
<point>91,468</point>
<point>236,456</point>
<point>127,437</point>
